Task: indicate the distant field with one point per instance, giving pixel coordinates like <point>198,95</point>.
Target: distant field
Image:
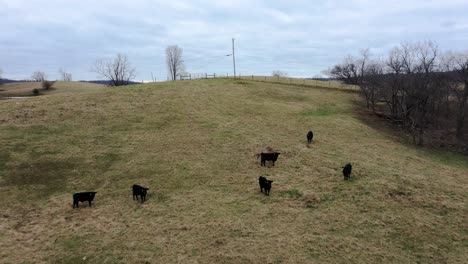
<point>26,88</point>
<point>19,89</point>
<point>193,144</point>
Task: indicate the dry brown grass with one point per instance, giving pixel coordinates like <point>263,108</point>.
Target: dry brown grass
<point>193,144</point>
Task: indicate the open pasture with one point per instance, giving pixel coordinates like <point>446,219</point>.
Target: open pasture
<point>193,144</point>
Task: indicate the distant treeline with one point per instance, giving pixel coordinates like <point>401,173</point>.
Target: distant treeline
<point>13,81</point>
<point>415,86</point>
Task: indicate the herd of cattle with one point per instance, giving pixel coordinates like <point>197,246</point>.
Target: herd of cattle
<point>265,184</point>
<point>89,196</point>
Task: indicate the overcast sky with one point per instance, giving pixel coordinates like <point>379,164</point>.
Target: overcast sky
<point>296,36</point>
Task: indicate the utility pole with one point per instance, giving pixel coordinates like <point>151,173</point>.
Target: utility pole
<point>233,58</point>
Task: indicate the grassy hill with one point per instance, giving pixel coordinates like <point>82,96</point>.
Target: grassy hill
<point>193,144</point>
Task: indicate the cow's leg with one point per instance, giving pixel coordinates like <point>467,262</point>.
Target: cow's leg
<point>89,201</point>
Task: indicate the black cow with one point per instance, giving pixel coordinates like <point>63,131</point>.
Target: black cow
<point>139,191</point>
<point>82,197</point>
<point>268,156</point>
<point>310,136</point>
<point>265,185</point>
<point>347,171</point>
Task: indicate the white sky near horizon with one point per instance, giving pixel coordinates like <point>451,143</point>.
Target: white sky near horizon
<point>299,37</point>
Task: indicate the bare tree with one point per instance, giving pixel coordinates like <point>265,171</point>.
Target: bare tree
<point>39,76</point>
<point>65,76</point>
<point>118,71</point>
<point>457,63</point>
<point>175,64</point>
<point>279,74</point>
<point>422,84</point>
<point>347,71</point>
<point>362,72</point>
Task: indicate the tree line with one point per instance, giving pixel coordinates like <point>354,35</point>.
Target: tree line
<point>415,85</point>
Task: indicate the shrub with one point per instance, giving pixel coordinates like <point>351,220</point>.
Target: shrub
<point>47,85</point>
<point>35,92</point>
<point>279,74</point>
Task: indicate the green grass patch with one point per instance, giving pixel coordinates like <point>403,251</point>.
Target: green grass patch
<point>322,111</point>
<point>72,243</point>
<point>46,176</point>
<point>106,160</point>
<point>293,193</point>
<point>447,158</point>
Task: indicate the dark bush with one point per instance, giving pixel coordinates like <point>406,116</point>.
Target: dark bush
<point>35,92</point>
<point>47,85</point>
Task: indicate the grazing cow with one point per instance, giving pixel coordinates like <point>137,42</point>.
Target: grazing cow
<point>82,197</point>
<point>263,150</point>
<point>347,171</point>
<point>268,157</point>
<point>310,136</point>
<point>265,185</point>
<point>139,191</point>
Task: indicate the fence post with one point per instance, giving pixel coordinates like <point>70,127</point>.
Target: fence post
<point>214,75</point>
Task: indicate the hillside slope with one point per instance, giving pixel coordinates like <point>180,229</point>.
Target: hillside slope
<point>193,144</point>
